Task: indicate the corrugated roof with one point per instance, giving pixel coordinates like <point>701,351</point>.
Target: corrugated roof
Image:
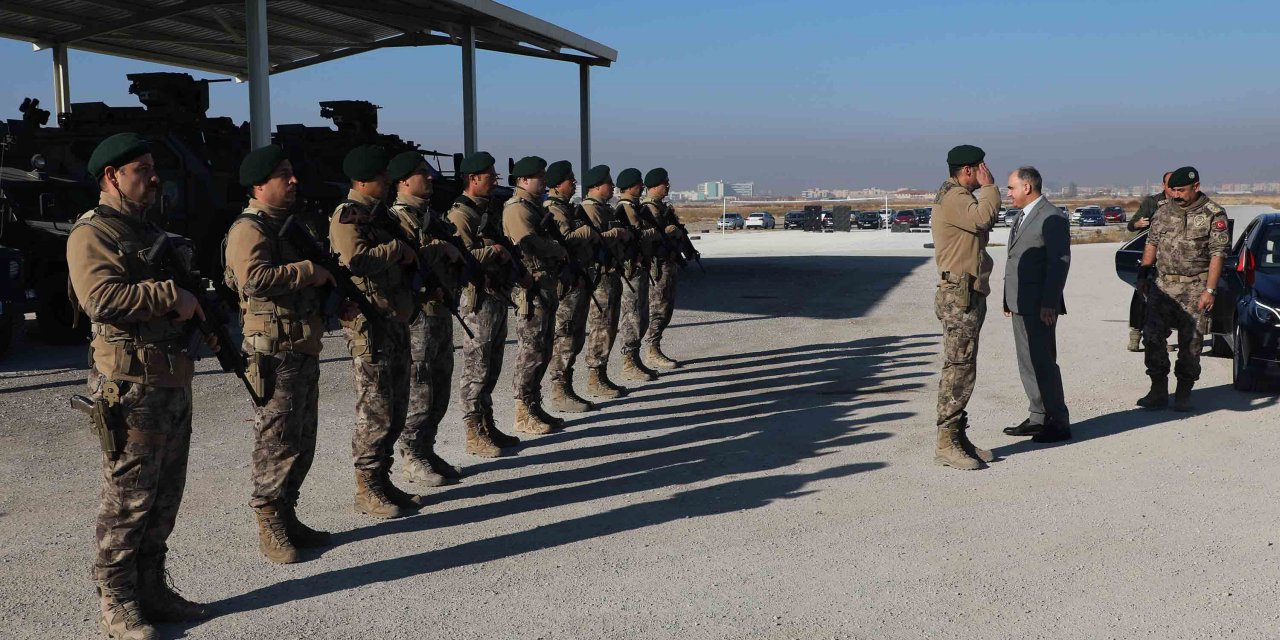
<point>210,35</point>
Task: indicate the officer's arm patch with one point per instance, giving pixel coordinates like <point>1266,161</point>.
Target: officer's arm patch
<point>1220,224</point>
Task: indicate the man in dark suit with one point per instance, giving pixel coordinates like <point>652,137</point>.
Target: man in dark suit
<point>1034,276</point>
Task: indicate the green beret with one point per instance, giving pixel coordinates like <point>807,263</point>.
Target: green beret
<point>628,178</point>
<point>965,154</point>
<point>655,177</point>
<point>1184,177</point>
<point>558,172</point>
<point>478,162</point>
<point>119,149</point>
<point>365,162</point>
<point>596,176</point>
<point>528,166</point>
<point>260,164</point>
<point>403,165</point>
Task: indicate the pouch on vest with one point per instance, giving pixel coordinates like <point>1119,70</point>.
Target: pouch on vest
<point>260,373</point>
<point>965,294</point>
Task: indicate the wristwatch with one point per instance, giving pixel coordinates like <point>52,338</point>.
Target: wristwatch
<point>1211,291</point>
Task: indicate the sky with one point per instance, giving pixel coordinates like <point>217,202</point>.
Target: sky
<point>818,93</point>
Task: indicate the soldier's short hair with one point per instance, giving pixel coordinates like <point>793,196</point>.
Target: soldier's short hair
<point>1031,176</point>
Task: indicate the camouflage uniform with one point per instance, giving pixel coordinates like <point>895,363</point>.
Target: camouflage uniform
<point>571,313</point>
<point>662,295</point>
<point>380,359</point>
<point>485,312</point>
<point>535,315</point>
<point>138,356</point>
<point>1185,238</point>
<point>602,315</point>
<point>633,317</point>
<point>961,229</point>
<point>430,340</point>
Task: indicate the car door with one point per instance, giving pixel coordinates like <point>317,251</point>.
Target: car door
<point>1129,258</point>
<point>1231,286</point>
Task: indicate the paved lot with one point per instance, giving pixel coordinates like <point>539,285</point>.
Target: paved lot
<point>779,486</point>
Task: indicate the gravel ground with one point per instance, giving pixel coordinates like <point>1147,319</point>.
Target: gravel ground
<point>781,485</point>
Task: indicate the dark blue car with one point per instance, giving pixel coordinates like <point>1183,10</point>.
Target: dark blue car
<point>1093,218</point>
<point>1245,321</point>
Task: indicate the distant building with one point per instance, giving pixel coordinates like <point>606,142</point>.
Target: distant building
<point>711,190</point>
<point>741,189</point>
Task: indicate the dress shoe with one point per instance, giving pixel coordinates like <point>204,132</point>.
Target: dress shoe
<point>1024,429</point>
<point>1053,432</point>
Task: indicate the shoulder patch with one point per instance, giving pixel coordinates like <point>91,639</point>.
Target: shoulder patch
<point>349,215</point>
<point>1220,224</point>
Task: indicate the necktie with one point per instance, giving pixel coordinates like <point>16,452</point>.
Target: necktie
<point>1017,222</point>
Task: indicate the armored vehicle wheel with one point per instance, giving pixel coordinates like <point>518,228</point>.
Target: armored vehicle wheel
<point>55,315</point>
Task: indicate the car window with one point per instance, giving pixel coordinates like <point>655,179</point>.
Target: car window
<point>1268,256</point>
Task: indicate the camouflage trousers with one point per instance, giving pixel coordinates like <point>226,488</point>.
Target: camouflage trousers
<point>960,329</point>
<point>482,354</point>
<point>662,299</point>
<point>285,431</point>
<point>535,326</point>
<point>142,489</point>
<point>570,331</point>
<point>602,326</point>
<point>431,371</point>
<point>382,397</point>
<point>633,311</point>
<point>1172,306</point>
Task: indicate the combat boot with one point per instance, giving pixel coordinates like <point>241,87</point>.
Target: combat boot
<point>1135,340</point>
<point>371,496</point>
<point>537,409</point>
<point>658,360</point>
<point>950,452</point>
<point>529,422</point>
<point>273,535</point>
<point>123,620</point>
<point>157,597</point>
<point>634,370</point>
<point>478,441</point>
<point>1182,396</point>
<point>1158,397</point>
<point>600,386</point>
<point>499,438</point>
<point>564,399</point>
<point>441,466</point>
<point>402,499</point>
<point>969,448</point>
<point>301,535</point>
<point>415,467</point>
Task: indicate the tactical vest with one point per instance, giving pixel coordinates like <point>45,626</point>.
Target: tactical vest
<point>1183,249</point>
<point>151,352</point>
<point>581,250</point>
<point>290,321</point>
<point>388,289</point>
<point>402,211</point>
<point>536,265</point>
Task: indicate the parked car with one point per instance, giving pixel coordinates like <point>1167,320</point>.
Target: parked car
<point>1092,218</point>
<point>828,222</point>
<point>907,217</point>
<point>868,220</point>
<point>794,220</point>
<point>1075,215</point>
<point>1114,214</point>
<point>886,216</point>
<point>760,220</point>
<point>924,216</point>
<point>731,221</point>
<point>1008,216</point>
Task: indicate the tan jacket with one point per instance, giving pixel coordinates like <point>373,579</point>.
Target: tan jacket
<point>134,340</point>
<point>649,237</point>
<point>521,217</point>
<point>602,216</point>
<point>576,234</point>
<point>961,227</point>
<point>411,212</point>
<point>469,220</point>
<point>374,257</point>
<point>279,307</point>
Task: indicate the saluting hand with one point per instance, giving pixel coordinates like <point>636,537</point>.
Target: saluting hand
<point>984,175</point>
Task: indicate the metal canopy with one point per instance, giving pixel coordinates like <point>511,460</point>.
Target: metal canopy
<point>210,35</point>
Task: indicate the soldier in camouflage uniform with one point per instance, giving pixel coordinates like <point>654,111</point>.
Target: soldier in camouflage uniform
<point>483,307</point>
<point>140,379</point>
<point>1188,242</point>
<point>571,314</point>
<point>634,308</point>
<point>381,263</point>
<point>281,310</point>
<point>1142,220</point>
<point>431,333</point>
<point>522,218</point>
<point>662,296</point>
<point>961,229</point>
<point>602,316</point>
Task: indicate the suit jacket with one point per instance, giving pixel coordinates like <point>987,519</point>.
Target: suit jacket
<point>1039,257</point>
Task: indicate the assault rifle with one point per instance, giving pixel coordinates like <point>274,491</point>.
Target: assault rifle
<point>518,271</point>
<point>604,256</point>
<point>690,253</point>
<point>676,250</point>
<point>472,271</point>
<point>636,246</point>
<point>299,237</point>
<point>573,270</point>
<point>425,281</point>
<point>165,258</point>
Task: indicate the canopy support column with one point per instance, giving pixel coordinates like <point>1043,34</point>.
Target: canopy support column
<point>469,143</point>
<point>584,114</point>
<point>61,80</point>
<point>255,14</point>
